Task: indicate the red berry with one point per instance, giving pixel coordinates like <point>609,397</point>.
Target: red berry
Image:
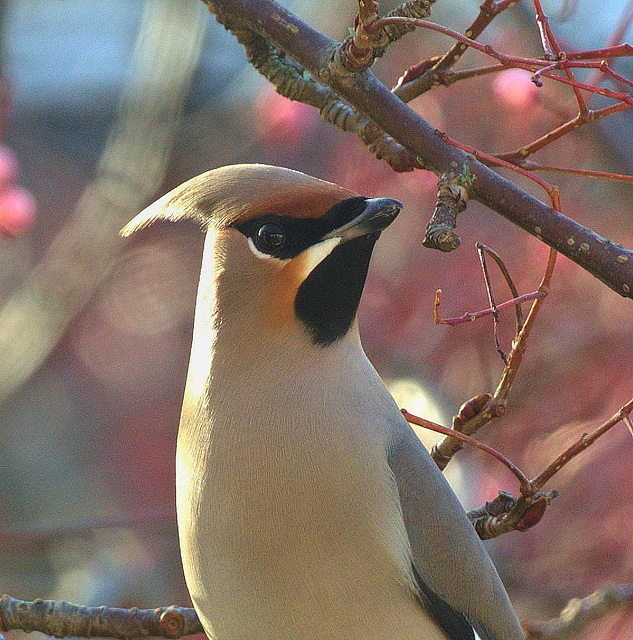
<point>17,211</point>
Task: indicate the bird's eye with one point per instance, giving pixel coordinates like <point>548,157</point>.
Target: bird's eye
<point>270,237</point>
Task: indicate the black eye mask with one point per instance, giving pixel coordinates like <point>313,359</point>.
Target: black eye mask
<point>285,237</point>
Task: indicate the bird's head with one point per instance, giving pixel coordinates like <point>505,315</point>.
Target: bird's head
<point>285,252</point>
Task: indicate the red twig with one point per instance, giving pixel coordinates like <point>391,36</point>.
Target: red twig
<point>430,70</point>
<point>518,156</point>
<point>615,51</point>
<point>584,173</point>
<point>481,250</point>
<point>623,415</point>
<point>545,32</point>
<point>474,315</point>
<point>614,42</point>
<point>493,160</point>
<point>524,483</point>
<point>553,51</point>
<point>530,64</point>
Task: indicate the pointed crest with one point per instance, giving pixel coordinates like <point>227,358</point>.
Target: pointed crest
<point>241,192</point>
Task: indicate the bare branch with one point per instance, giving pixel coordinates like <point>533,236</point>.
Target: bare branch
<point>524,483</point>
<point>363,91</point>
<point>293,82</point>
<point>506,513</point>
<point>424,76</point>
<point>63,620</point>
<point>580,445</point>
<point>578,614</point>
<point>539,66</point>
<point>470,316</point>
<point>518,157</point>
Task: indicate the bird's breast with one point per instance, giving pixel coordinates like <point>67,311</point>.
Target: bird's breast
<point>289,519</point>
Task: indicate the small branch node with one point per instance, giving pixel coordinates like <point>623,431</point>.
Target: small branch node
<point>453,193</point>
<point>506,513</point>
<point>172,623</point>
<point>470,409</point>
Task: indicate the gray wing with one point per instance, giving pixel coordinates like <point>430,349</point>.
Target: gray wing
<point>449,558</point>
<point>454,624</point>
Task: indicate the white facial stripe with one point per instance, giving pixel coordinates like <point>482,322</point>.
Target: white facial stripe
<point>314,254</point>
<point>319,251</point>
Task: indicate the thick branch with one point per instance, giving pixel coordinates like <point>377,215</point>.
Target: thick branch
<point>292,82</point>
<point>604,259</point>
<point>63,619</point>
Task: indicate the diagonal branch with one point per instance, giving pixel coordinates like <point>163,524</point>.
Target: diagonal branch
<point>292,82</point>
<point>607,261</point>
<point>579,613</point>
<point>422,77</point>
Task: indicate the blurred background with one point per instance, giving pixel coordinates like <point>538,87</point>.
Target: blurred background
<point>106,104</point>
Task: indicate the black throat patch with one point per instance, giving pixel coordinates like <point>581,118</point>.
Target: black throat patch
<point>328,299</point>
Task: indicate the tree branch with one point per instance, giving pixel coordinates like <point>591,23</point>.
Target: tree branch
<point>608,261</point>
<point>292,82</point>
<point>63,620</point>
<point>580,613</point>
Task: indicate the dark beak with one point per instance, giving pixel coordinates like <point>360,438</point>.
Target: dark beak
<point>377,215</point>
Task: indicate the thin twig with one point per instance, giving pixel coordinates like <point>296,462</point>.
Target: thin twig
<point>530,165</point>
<point>586,440</point>
<point>506,275</point>
<point>444,451</point>
<point>422,77</point>
<point>614,41</point>
<point>471,316</point>
<point>518,156</point>
<point>553,51</point>
<point>524,483</point>
<point>610,51</point>
<point>518,348</point>
<point>531,64</point>
<point>313,50</point>
<point>508,514</point>
<point>493,306</point>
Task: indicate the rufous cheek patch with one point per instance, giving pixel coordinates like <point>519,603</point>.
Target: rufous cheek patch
<point>279,308</point>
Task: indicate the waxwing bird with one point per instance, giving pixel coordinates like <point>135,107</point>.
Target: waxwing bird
<point>307,507</point>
